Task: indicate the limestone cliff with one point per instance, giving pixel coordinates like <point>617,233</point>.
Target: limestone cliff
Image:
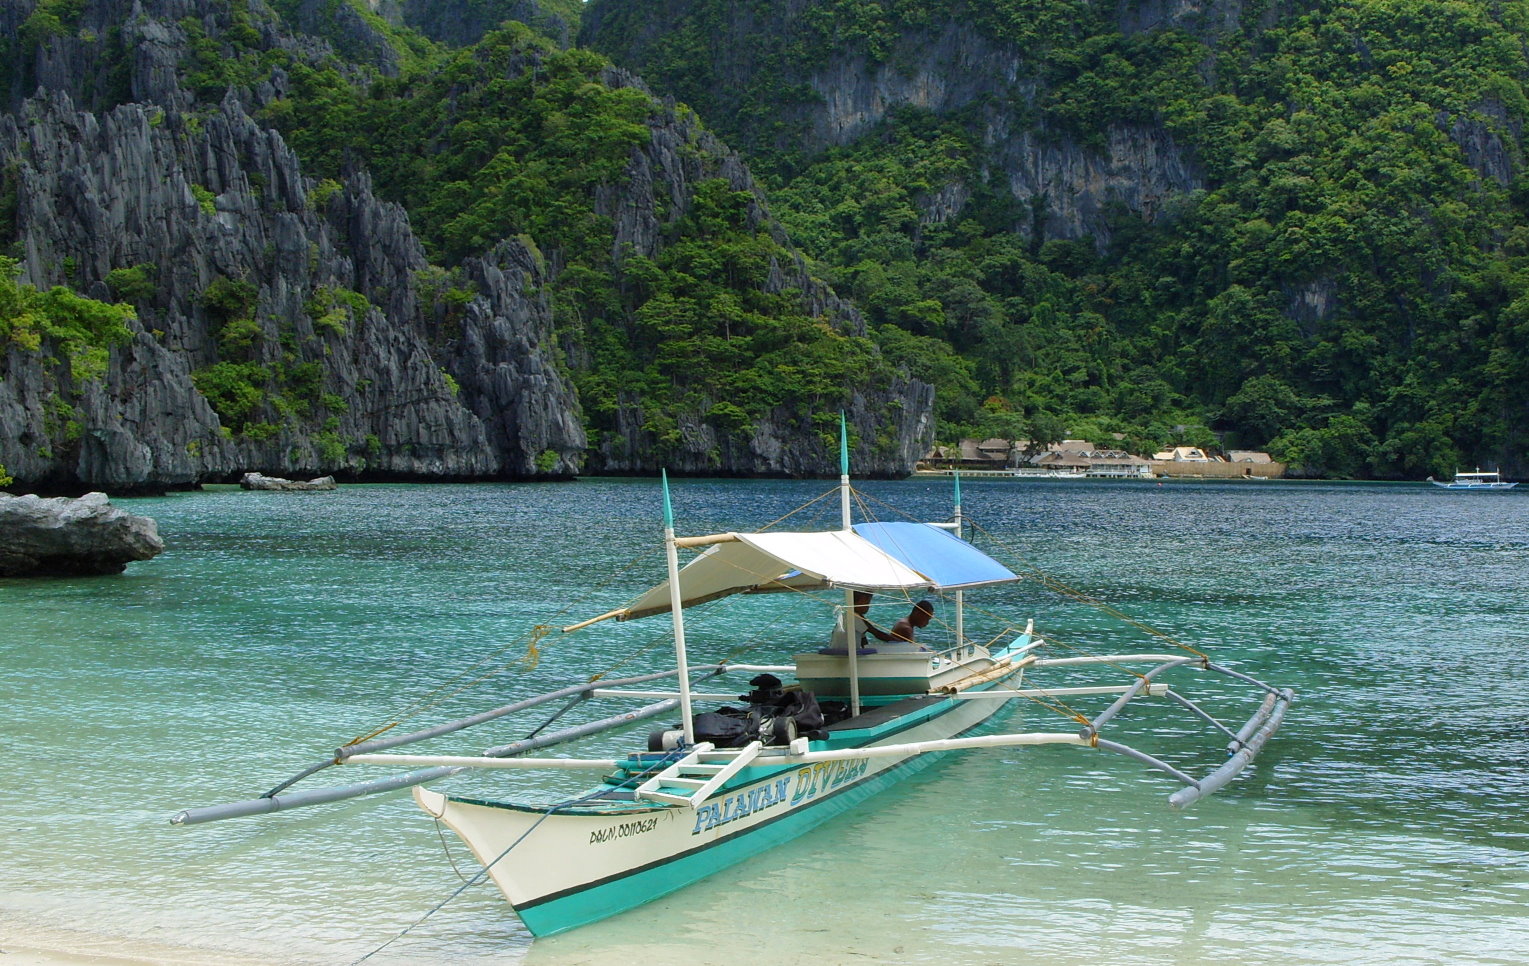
<point>356,368</point>
<point>946,69</point>
<point>1068,186</point>
<point>892,423</point>
<point>294,325</point>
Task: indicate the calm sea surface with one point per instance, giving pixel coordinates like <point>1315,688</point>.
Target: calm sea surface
<point>1387,822</point>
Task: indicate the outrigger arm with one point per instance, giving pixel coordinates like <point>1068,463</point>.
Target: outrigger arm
<point>1246,742</point>
<point>278,799</point>
<point>1244,746</point>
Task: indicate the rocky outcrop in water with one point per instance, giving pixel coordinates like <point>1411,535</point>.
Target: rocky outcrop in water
<point>259,481</point>
<point>71,538</point>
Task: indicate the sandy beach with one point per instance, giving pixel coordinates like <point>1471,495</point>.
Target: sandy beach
<point>24,945</point>
<point>17,955</point>
<point>118,954</point>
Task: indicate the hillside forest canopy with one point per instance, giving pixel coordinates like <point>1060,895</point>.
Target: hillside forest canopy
<point>1347,286</point>
<point>1347,289</point>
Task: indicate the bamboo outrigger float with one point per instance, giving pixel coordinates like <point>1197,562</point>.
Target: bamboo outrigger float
<point>721,787</point>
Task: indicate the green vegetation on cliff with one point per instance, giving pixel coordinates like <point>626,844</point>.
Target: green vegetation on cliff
<point>515,138</point>
<point>73,335</point>
<point>1324,250</point>
<point>82,330</point>
<point>1347,286</point>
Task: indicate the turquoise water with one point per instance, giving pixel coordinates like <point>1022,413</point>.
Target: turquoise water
<point>1388,822</point>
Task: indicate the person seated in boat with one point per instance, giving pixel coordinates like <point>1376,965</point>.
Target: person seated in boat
<point>905,632</point>
<point>861,625</point>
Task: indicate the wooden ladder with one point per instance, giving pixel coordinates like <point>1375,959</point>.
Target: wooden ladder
<point>701,772</point>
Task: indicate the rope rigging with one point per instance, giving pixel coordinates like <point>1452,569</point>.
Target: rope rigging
<point>868,507</point>
<point>478,876</point>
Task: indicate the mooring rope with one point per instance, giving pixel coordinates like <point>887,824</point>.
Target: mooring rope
<point>455,686</point>
<point>1057,586</point>
<point>477,877</point>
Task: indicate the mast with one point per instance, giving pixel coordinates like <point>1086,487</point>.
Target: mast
<point>851,643</point>
<point>960,594</point>
<point>671,552</point>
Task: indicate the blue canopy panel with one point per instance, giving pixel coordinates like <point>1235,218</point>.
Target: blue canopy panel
<point>948,561</point>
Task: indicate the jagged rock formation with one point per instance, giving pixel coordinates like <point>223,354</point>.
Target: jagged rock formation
<point>387,385</point>
<point>295,325</point>
<point>894,423</point>
<point>947,69</point>
<point>71,538</point>
<point>113,191</point>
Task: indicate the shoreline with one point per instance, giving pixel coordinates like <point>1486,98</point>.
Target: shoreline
<point>42,946</point>
<point>17,955</point>
<point>23,954</point>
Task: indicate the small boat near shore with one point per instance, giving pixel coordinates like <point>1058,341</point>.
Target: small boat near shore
<point>813,738</point>
<point>1479,480</point>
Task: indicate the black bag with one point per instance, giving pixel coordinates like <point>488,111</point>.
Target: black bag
<point>722,730</point>
<point>803,706</point>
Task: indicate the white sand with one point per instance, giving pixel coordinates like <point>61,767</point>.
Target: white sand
<point>55,947</point>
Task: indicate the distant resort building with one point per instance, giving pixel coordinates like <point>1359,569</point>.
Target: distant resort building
<point>1069,458</point>
<point>1194,463</point>
<point>1117,464</point>
<point>1183,454</point>
<point>1080,458</point>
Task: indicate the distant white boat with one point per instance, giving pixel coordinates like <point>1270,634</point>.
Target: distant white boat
<point>1478,480</point>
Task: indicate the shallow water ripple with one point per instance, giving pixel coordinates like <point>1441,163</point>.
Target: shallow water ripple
<point>1387,823</point>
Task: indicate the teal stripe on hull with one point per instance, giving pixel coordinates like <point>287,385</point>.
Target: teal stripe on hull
<point>604,900</point>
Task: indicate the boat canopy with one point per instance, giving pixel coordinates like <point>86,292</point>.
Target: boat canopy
<point>949,562</point>
<point>874,556</point>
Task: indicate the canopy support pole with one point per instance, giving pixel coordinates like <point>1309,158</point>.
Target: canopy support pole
<point>672,555</point>
<point>960,594</point>
<point>851,639</point>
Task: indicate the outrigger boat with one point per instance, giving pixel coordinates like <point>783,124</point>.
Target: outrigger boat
<point>1479,480</point>
<point>722,786</point>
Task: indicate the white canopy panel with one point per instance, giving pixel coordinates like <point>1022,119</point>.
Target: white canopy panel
<point>753,561</point>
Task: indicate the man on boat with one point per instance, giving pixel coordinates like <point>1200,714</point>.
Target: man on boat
<point>905,630</point>
<point>861,626</point>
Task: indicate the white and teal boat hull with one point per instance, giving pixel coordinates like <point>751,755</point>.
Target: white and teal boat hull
<point>568,868</point>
